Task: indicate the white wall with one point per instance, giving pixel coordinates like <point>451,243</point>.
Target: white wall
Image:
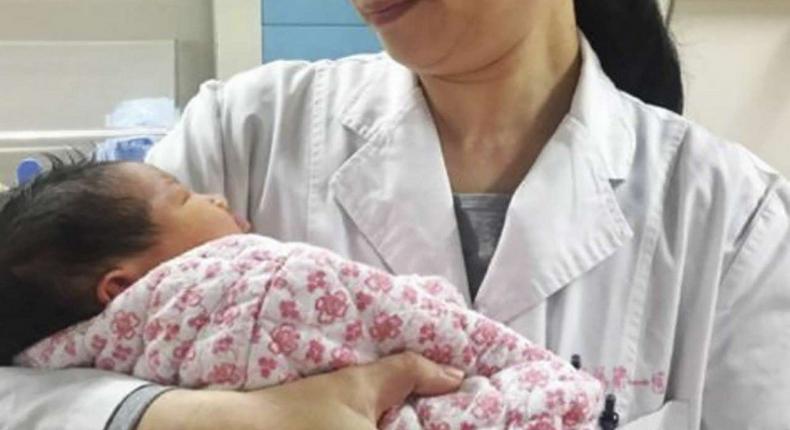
<point>75,85</point>
<point>189,22</point>
<point>736,55</point>
<point>237,36</point>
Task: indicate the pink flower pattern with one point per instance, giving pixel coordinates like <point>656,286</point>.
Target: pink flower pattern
<point>379,282</point>
<point>184,351</point>
<point>199,321</point>
<point>124,325</point>
<point>267,365</point>
<point>442,354</point>
<point>316,281</point>
<point>427,333</point>
<point>353,332</point>
<point>315,352</point>
<point>225,374</point>
<point>189,299</point>
<point>98,342</point>
<point>385,327</point>
<point>343,357</point>
<point>248,312</point>
<point>289,310</point>
<point>222,345</point>
<point>285,339</point>
<point>331,306</point>
<point>363,300</point>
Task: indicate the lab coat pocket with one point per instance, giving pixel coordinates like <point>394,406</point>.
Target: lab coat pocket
<point>672,416</point>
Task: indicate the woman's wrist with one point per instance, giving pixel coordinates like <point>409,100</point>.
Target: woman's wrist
<point>209,410</point>
<point>180,409</point>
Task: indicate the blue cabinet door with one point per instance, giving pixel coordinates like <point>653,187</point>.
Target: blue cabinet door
<point>313,29</point>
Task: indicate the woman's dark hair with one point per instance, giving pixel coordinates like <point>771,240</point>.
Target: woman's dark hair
<point>58,235</point>
<point>635,48</point>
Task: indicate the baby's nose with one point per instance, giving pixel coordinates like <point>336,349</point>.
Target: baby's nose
<point>219,201</point>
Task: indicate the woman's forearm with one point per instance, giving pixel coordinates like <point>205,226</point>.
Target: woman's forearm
<point>350,399</point>
<point>168,411</point>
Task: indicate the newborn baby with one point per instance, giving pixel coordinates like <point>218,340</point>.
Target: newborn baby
<point>194,302</point>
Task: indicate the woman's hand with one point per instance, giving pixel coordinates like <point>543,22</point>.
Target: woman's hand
<point>350,399</point>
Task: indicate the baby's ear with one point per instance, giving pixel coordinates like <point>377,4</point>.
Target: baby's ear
<point>113,283</point>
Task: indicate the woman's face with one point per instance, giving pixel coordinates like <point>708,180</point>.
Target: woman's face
<point>445,37</point>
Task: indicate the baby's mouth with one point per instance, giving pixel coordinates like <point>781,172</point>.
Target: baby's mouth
<point>242,222</point>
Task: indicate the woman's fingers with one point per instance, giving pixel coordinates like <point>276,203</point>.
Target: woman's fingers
<point>354,398</point>
<point>391,380</point>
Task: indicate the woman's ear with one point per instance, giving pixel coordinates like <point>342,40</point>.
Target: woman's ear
<point>114,283</point>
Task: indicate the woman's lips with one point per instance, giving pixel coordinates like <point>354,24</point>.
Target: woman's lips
<point>385,12</point>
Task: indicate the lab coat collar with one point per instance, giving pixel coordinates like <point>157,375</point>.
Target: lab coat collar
<point>598,107</point>
<point>563,219</point>
<point>395,187</point>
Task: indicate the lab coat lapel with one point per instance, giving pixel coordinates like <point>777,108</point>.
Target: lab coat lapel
<point>395,187</point>
<point>564,218</point>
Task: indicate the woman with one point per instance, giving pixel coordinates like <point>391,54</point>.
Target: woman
<point>630,236</point>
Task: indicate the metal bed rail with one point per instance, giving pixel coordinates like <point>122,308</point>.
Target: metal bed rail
<point>15,146</point>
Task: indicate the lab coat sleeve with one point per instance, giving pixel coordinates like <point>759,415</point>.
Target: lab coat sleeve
<point>193,151</point>
<point>748,377</point>
<point>78,399</point>
<point>224,141</point>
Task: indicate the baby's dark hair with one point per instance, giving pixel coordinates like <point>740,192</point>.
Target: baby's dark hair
<point>59,234</point>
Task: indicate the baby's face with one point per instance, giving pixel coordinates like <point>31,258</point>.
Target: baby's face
<point>184,219</point>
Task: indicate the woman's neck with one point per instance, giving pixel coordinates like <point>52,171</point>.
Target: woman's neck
<point>500,115</point>
<point>535,80</point>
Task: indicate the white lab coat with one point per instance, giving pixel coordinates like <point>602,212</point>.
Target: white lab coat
<point>638,240</point>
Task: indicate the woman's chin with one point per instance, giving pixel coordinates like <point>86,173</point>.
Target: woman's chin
<point>410,51</point>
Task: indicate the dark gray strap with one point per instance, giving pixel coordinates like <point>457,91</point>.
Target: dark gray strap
<point>131,410</point>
